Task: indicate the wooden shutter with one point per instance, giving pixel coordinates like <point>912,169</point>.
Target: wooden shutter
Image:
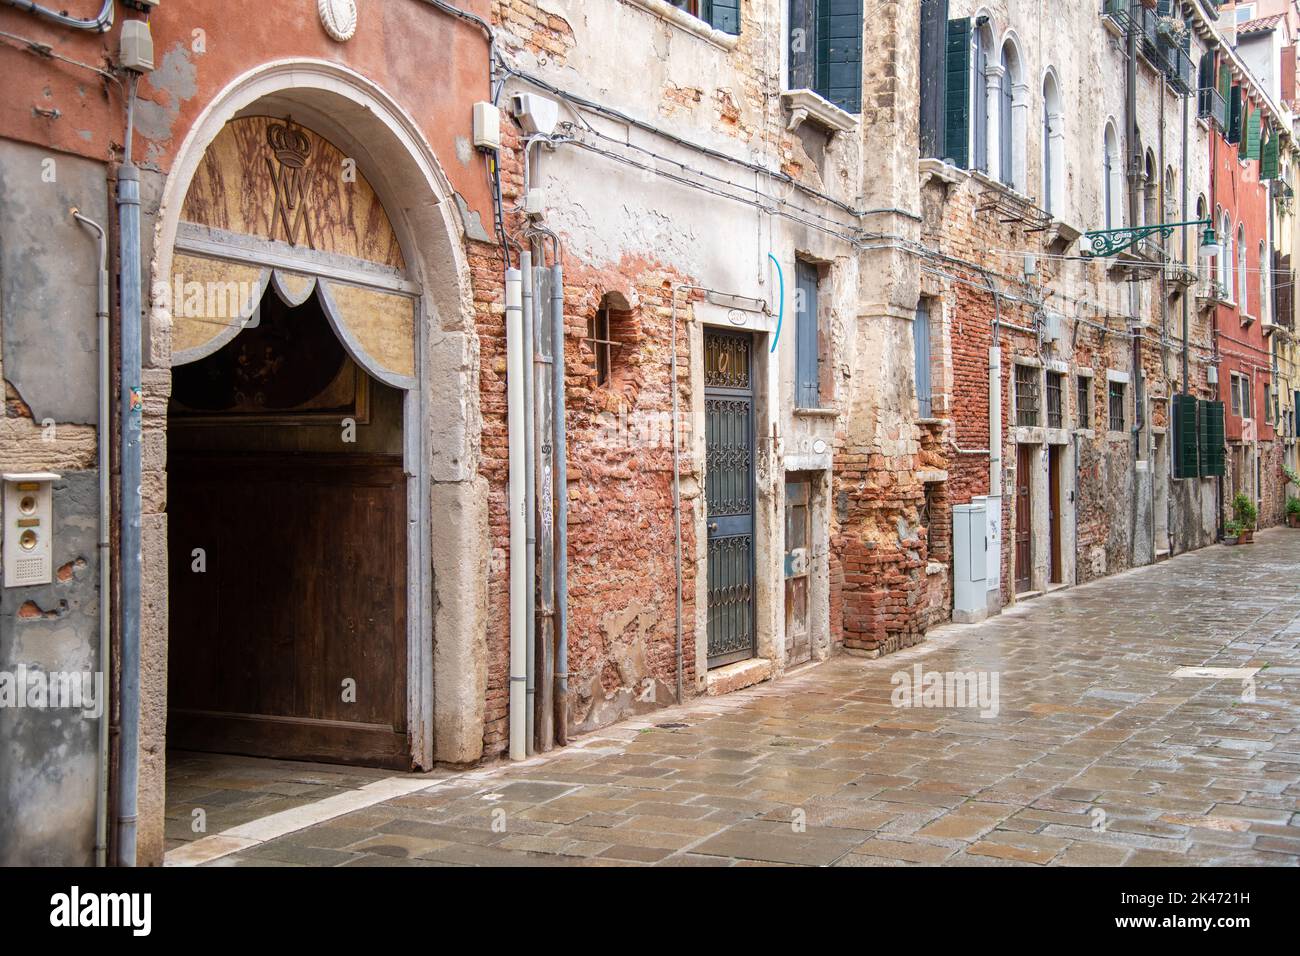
<point>1212,438</point>
<point>807,378</point>
<point>1252,134</point>
<point>839,53</point>
<point>803,56</point>
<point>1235,105</point>
<point>1270,154</point>
<point>724,15</point>
<point>934,31</point>
<point>956,94</point>
<point>1186,437</point>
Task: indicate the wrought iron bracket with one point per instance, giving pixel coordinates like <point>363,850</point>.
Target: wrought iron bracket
<point>1101,243</point>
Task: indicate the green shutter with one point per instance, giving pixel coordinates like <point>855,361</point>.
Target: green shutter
<point>839,53</point>
<point>1186,438</point>
<point>1269,158</point>
<point>1212,439</point>
<point>1235,105</point>
<point>724,15</point>
<point>956,94</point>
<point>1253,133</point>
<point>1225,82</point>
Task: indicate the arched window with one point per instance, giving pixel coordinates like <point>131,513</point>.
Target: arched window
<point>980,96</point>
<point>1225,257</point>
<point>1053,148</point>
<point>1112,176</point>
<point>1150,191</point>
<point>1194,252</point>
<point>1264,280</point>
<point>1011,119</point>
<point>1242,288</point>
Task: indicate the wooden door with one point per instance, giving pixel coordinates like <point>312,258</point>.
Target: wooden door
<point>291,641</point>
<point>1024,513</point>
<point>1054,512</point>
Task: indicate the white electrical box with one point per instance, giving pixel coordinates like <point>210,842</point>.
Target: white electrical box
<point>969,562</point>
<point>536,114</point>
<point>535,203</point>
<point>28,528</point>
<point>1212,374</point>
<point>137,46</point>
<point>487,126</point>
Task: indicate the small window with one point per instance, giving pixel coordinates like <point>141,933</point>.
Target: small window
<point>1054,400</point>
<point>722,15</point>
<point>921,352</point>
<point>1268,405</point>
<point>1234,388</point>
<point>825,50</point>
<point>1027,395</point>
<point>1085,401</point>
<point>807,341</point>
<point>1116,406</point>
<point>601,345</point>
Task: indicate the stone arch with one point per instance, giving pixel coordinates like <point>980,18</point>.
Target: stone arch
<point>446,678</point>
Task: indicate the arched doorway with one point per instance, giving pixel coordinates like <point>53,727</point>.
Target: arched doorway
<point>293,342</point>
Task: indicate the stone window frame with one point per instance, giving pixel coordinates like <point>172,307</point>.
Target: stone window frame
<point>687,22</point>
<point>1026,362</point>
<point>1123,379</point>
<point>1085,424</point>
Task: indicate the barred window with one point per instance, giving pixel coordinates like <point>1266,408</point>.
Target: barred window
<point>1054,400</point>
<point>1117,406</point>
<point>599,340</point>
<point>1027,395</point>
<point>1085,401</point>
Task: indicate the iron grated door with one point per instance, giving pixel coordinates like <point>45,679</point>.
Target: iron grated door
<point>729,493</point>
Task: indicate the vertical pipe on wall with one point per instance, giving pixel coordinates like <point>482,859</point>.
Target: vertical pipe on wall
<point>543,423</point>
<point>132,402</point>
<point>561,509</point>
<point>518,568</point>
<point>104,432</point>
<point>677,496</point>
<point>530,502</point>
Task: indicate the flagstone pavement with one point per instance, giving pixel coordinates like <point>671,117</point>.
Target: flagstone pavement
<point>1097,755</point>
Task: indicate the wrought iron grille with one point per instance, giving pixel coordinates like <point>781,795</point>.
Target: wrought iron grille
<point>1085,402</point>
<point>726,361</point>
<point>728,456</point>
<point>1116,406</point>
<point>1027,404</point>
<point>731,593</point>
<point>1054,403</point>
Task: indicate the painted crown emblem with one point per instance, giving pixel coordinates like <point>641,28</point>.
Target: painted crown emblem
<point>291,146</point>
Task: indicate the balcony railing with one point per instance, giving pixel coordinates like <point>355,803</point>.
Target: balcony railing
<point>1212,107</point>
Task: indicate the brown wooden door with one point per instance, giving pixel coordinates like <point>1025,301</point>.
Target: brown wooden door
<point>1024,529</point>
<point>1054,512</point>
<point>303,596</point>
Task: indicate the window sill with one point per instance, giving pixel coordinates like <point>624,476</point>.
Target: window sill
<point>930,169</point>
<point>1246,319</point>
<point>816,412</point>
<point>806,105</point>
<point>988,181</point>
<point>691,24</point>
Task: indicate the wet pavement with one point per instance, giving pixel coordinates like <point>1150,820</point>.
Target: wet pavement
<point>1097,753</point>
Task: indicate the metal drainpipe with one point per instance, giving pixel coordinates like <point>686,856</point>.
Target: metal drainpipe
<point>98,24</point>
<point>530,500</point>
<point>128,207</point>
<point>677,495</point>
<point>543,422</point>
<point>561,508</point>
<point>104,435</point>
<point>515,430</point>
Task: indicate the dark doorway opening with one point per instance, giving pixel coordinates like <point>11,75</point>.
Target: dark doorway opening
<point>1054,512</point>
<point>1024,517</point>
<point>287,549</point>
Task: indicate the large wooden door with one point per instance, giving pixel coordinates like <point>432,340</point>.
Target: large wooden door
<point>1054,510</point>
<point>291,640</point>
<point>1024,517</point>
<point>729,493</point>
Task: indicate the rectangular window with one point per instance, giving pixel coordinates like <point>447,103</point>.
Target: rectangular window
<point>1242,405</point>
<point>825,50</point>
<point>598,339</point>
<point>807,392</point>
<point>1027,403</point>
<point>921,351</point>
<point>1268,405</point>
<point>1085,401</point>
<point>1116,423</point>
<point>1235,394</point>
<point>1055,402</point>
<point>722,15</point>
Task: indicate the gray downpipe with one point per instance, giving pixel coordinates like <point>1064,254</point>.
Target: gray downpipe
<point>543,411</point>
<point>530,499</point>
<point>99,24</point>
<point>677,498</point>
<point>128,206</point>
<point>103,437</point>
<point>561,510</point>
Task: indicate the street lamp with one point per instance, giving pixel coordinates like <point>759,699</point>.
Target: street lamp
<point>1209,244</point>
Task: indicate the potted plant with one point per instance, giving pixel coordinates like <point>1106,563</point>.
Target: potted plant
<point>1244,513</point>
<point>1231,533</point>
<point>1293,512</point>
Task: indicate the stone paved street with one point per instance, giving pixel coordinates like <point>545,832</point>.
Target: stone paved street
<point>1098,754</point>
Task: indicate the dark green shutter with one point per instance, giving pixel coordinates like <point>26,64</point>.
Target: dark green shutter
<point>1235,105</point>
<point>934,42</point>
<point>1252,133</point>
<point>956,94</point>
<point>839,53</point>
<point>724,15</point>
<point>1212,438</point>
<point>1225,82</point>
<point>1186,437</point>
<point>1269,155</point>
